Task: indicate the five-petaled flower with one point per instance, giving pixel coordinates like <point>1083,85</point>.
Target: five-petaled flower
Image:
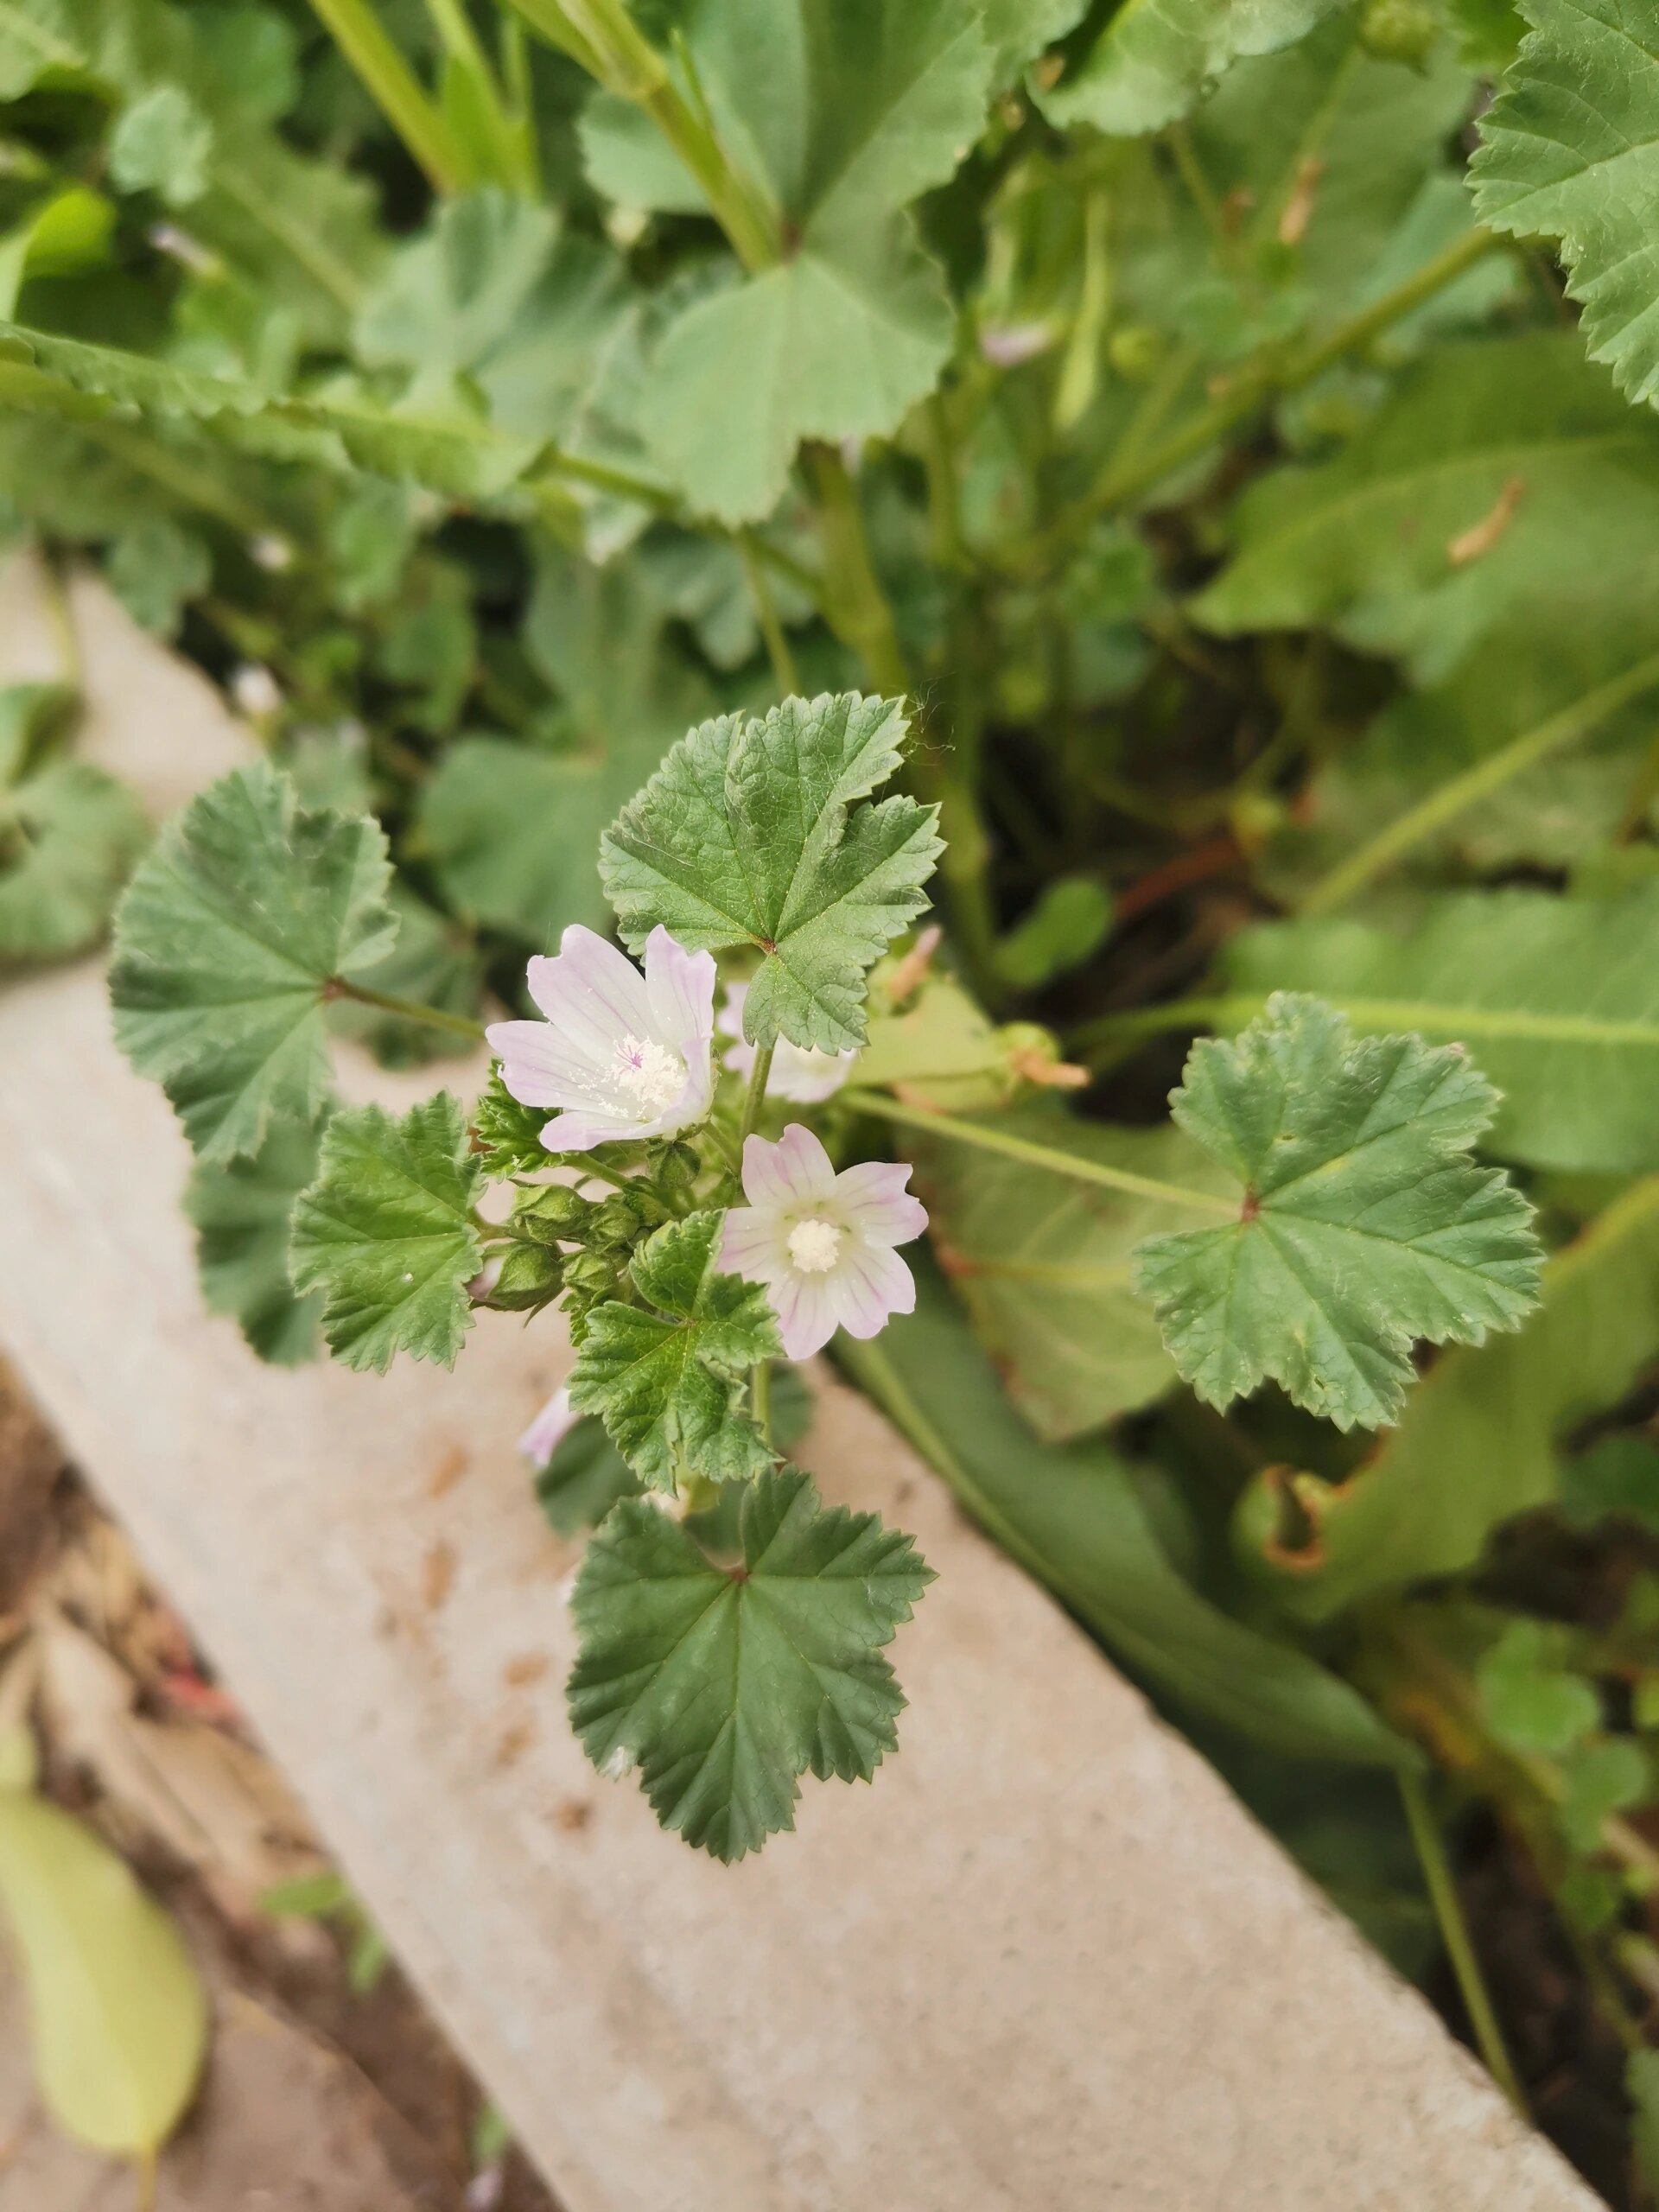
<point>798,1072</point>
<point>622,1055</point>
<point>823,1242</point>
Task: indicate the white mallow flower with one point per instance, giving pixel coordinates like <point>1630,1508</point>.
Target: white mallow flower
<point>622,1055</point>
<point>798,1072</point>
<point>823,1242</point>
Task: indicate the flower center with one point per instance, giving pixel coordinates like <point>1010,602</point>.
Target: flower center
<point>813,1246</point>
<point>648,1076</point>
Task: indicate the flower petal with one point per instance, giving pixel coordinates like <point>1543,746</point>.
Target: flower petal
<point>870,1286</point>
<point>807,1078</point>
<point>794,1172</point>
<point>549,1429</point>
<point>730,1023</point>
<point>806,1312</point>
<point>680,985</point>
<point>591,994</point>
<point>538,1066</point>
<point>753,1244</point>
<point>581,1128</point>
<point>872,1198</point>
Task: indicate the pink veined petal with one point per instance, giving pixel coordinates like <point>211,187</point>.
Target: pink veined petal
<point>805,1311</point>
<point>537,1067</point>
<point>871,1284</point>
<point>680,985</point>
<point>872,1198</point>
<point>753,1244</point>
<point>549,1429</point>
<point>794,1172</point>
<point>591,994</point>
<point>580,1128</point>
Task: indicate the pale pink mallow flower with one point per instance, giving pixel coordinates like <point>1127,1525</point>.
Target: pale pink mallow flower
<point>823,1242</point>
<point>549,1429</point>
<point>622,1055</point>
<point>798,1072</point>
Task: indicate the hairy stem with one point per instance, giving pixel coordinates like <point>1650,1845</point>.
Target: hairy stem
<point>765,613</point>
<point>1454,1933</point>
<point>1450,800</point>
<point>988,1138</point>
<point>759,1074</point>
<point>396,90</point>
<point>457,1025</point>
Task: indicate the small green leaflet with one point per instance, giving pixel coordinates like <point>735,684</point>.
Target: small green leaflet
<point>242,1213</point>
<point>1531,1700</point>
<point>1364,1224</point>
<point>68,836</point>
<point>1156,59</point>
<point>724,1689</point>
<point>668,1383</point>
<point>226,944</point>
<point>386,1234</point>
<point>1568,152</point>
<point>750,834</point>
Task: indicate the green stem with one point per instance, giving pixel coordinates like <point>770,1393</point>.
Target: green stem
<point>396,90</point>
<point>988,1138</point>
<point>1254,388</point>
<point>61,616</point>
<point>605,39</point>
<point>944,505</point>
<point>759,1074</point>
<point>1231,1009</point>
<point>458,1025</point>
<point>1454,1932</point>
<point>1451,799</point>
<point>760,1397</point>
<point>765,613</point>
<point>856,606</point>
<point>512,147</point>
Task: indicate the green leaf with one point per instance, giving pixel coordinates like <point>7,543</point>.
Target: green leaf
<point>155,569</point>
<point>839,341</point>
<point>1617,1476</point>
<point>628,160</point>
<point>723,1689</point>
<point>225,945</point>
<point>386,1234</point>
<point>1042,1264</point>
<point>1478,1441</point>
<point>1502,487</point>
<point>669,1382</point>
<point>1568,152</point>
<point>1642,2087</point>
<point>34,719</point>
<point>452,294</point>
<point>336,428</point>
<point>1531,1702</point>
<point>750,833</point>
<point>1602,1779</point>
<point>69,835</point>
<point>242,1214</point>
<point>162,144</point>
<point>1364,1225</point>
<point>118,2015</point>
<point>1560,997</point>
<point>844,116</point>
<point>1068,924</point>
<point>512,830</point>
<point>1156,59</point>
<point>1074,1516</point>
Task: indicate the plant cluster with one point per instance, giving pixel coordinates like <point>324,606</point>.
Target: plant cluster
<point>676,488</point>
